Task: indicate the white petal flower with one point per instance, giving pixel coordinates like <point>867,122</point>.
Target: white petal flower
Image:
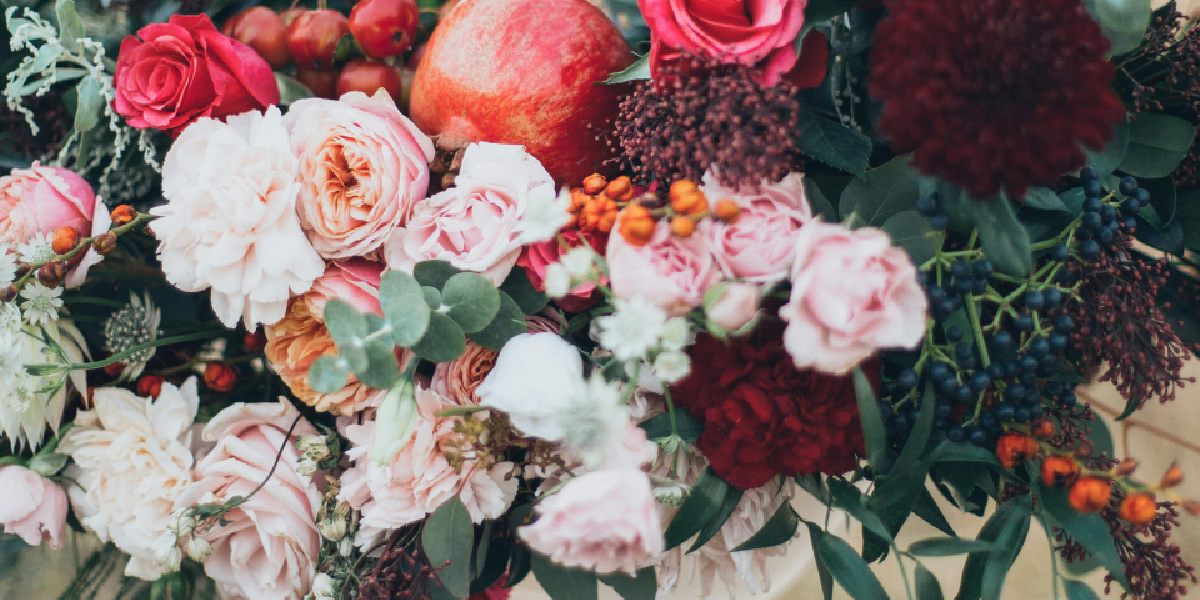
<point>29,403</point>
<point>633,330</point>
<point>671,366</point>
<point>536,377</point>
<point>556,280</point>
<point>37,249</point>
<point>578,261</point>
<point>594,425</point>
<point>544,216</point>
<point>41,303</point>
<point>676,334</point>
<point>8,267</point>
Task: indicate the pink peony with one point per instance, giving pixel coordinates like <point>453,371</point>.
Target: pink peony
<point>852,294</point>
<point>32,506</point>
<point>536,257</point>
<point>477,224</point>
<point>670,272</point>
<point>604,521</point>
<point>269,546</point>
<point>759,33</point>
<point>355,281</point>
<point>41,199</point>
<point>736,305</point>
<point>759,246</point>
<point>363,166</point>
<point>419,478</point>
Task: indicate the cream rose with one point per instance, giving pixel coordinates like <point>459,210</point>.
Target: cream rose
<point>363,166</point>
<point>760,244</point>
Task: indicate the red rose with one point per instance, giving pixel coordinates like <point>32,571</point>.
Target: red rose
<point>173,73</point>
<point>764,417</point>
<point>536,257</point>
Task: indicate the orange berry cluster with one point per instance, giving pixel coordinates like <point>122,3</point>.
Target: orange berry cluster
<point>594,206</point>
<point>687,205</point>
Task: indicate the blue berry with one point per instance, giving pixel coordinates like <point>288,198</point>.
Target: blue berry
<point>1130,224</point>
<point>1059,341</point>
<point>1025,322</point>
<point>1059,253</point>
<point>1002,340</point>
<point>942,410</point>
<point>939,372</point>
<point>927,205</point>
<point>1089,249</point>
<point>1005,411</point>
<point>1053,296</point>
<point>1092,204</point>
<point>1035,300</point>
<point>1142,195</point>
<point>1128,185</point>
<point>1089,173</point>
<point>1092,220</point>
<point>1014,393</point>
<point>939,221</point>
<point>948,385</point>
<point>956,434</point>
<point>907,379</point>
<point>1064,323</point>
<point>963,394</point>
<point>1092,188</point>
<point>1029,364</point>
<point>1108,212</point>
<point>1068,398</point>
<point>1022,414</point>
<point>959,268</point>
<point>980,381</point>
<point>977,436</point>
<point>1130,207</point>
<point>1106,235</point>
<point>1036,411</point>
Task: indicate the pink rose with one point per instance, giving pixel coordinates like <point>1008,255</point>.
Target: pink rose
<point>363,166</point>
<point>537,256</point>
<point>32,506</point>
<point>758,33</point>
<point>172,73</point>
<point>670,272</point>
<point>604,521</point>
<point>735,306</point>
<point>852,294</point>
<point>477,224</point>
<point>269,545</point>
<point>759,246</point>
<point>41,199</point>
<point>355,281</point>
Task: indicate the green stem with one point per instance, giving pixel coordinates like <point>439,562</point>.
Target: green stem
<point>461,411</point>
<point>670,409</point>
<point>118,357</point>
<point>903,572</point>
<point>973,315</point>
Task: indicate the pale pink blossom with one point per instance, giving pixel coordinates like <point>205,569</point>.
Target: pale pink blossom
<point>419,478</point>
<point>669,272</point>
<point>477,225</point>
<point>363,167</point>
<point>32,506</point>
<point>736,305</point>
<point>355,281</point>
<point>230,219</point>
<point>41,199</point>
<point>604,521</point>
<point>760,244</point>
<point>853,293</point>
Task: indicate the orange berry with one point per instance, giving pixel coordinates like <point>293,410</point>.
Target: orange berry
<point>607,220</point>
<point>727,210</point>
<point>594,184</point>
<point>690,204</point>
<point>578,200</point>
<point>1138,508</point>
<point>1192,507</point>
<point>64,240</point>
<point>1012,448</point>
<point>682,226</point>
<point>1090,494</point>
<point>636,225</point>
<point>682,187</point>
<point>1058,470</point>
<point>123,214</point>
<point>620,188</point>
<point>1172,478</point>
<point>149,386</point>
<point>219,376</point>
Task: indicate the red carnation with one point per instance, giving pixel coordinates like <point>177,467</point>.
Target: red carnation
<point>764,417</point>
<point>994,94</point>
<point>173,73</point>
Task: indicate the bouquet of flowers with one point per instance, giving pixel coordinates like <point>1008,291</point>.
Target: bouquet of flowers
<point>425,298</point>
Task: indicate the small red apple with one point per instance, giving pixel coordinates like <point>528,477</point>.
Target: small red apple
<point>262,29</point>
<point>384,28</point>
<point>313,37</point>
<point>522,72</point>
<point>323,84</point>
<point>366,76</point>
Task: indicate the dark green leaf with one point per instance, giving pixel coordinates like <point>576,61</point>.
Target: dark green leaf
<point>638,71</point>
<point>898,490</point>
<point>833,143</point>
<point>434,273</point>
<point>845,566</point>
<point>432,296</point>
<point>1089,530</point>
<point>472,300</point>
<point>820,204</point>
<point>509,321</point>
<point>954,452</point>
<point>1123,21</point>
<point>848,498</point>
<point>950,546</point>
<point>823,574</point>
<point>659,426</point>
<point>927,510</point>
<point>1187,213</point>
<point>713,525</point>
<point>290,89</point>
<point>1044,199</point>
<point>90,102</point>
<point>983,574</point>
<point>1162,196</point>
<point>1005,241</point>
<point>493,552</point>
<point>1157,143</point>
<point>1109,158</point>
<point>701,506</point>
<point>522,291</point>
<point>444,341</point>
<point>642,587</point>
<point>326,376</point>
<point>48,464</point>
<point>927,585</point>
<point>447,538</point>
<point>879,193</point>
<point>908,230</point>
<point>563,583</point>
<point>404,307</point>
<point>1098,435</point>
<point>918,438</point>
<point>823,10</point>
<point>779,529</point>
<point>518,564</point>
<point>872,421</point>
<point>1078,590</point>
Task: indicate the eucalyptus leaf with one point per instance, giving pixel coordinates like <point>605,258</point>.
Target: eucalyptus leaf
<point>518,286</point>
<point>89,103</point>
<point>346,325</point>
<point>444,341</point>
<point>447,538</point>
<point>472,300</point>
<point>382,370</point>
<point>404,307</point>
<point>325,375</point>
<point>434,273</point>
<point>70,26</point>
<point>1124,22</point>
<point>1106,160</point>
<point>508,322</point>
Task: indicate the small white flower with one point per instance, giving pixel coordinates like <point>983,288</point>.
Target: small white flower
<point>322,587</point>
<point>595,423</point>
<point>167,554</point>
<point>633,330</point>
<point>198,549</point>
<point>578,261</point>
<point>37,250</point>
<point>41,303</point>
<point>557,280</point>
<point>675,334</point>
<point>672,366</point>
<point>544,216</point>
<point>8,267</point>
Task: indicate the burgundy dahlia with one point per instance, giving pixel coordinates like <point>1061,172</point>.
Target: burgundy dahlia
<point>994,94</point>
<point>764,417</point>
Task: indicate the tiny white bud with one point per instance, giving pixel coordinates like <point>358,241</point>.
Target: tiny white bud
<point>345,547</point>
<point>168,555</point>
<point>198,549</point>
<point>675,334</point>
<point>557,280</point>
<point>332,529</point>
<point>578,261</point>
<point>672,366</point>
<point>322,587</point>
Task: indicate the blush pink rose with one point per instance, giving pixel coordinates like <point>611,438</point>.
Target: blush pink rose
<point>363,166</point>
<point>759,33</point>
<point>736,305</point>
<point>537,256</point>
<point>32,506</point>
<point>41,199</point>
<point>760,244</point>
<point>172,73</point>
<point>269,545</point>
<point>355,281</point>
<point>852,293</point>
<point>603,521</point>
<point>670,272</point>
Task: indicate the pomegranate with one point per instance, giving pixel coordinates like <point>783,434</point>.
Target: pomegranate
<point>313,37</point>
<point>522,72</point>
<point>384,28</point>
<point>367,76</point>
<point>262,29</point>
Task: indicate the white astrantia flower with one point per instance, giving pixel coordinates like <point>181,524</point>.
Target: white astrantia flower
<point>28,403</point>
<point>8,267</point>
<point>633,330</point>
<point>557,280</point>
<point>37,249</point>
<point>676,334</point>
<point>545,214</point>
<point>578,261</point>
<point>41,303</point>
<point>595,423</point>
<point>134,324</point>
<point>230,221</point>
<point>671,366</point>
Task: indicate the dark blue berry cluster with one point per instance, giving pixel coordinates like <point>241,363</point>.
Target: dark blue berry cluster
<point>1102,221</point>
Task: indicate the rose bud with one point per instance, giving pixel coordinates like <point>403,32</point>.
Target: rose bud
<point>1138,508</point>
<point>123,214</point>
<point>219,376</point>
<point>1058,470</point>
<point>105,243</point>
<point>149,386</point>
<point>51,274</point>
<point>1090,494</point>
<point>64,240</point>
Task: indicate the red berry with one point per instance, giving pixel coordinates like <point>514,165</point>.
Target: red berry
<point>385,28</point>
<point>263,30</point>
<point>149,386</point>
<point>367,76</point>
<point>323,84</point>
<point>313,36</point>
<point>219,376</point>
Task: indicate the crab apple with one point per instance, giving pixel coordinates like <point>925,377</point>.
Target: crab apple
<point>522,72</point>
<point>384,28</point>
<point>323,84</point>
<point>313,36</point>
<point>367,76</point>
<point>263,30</point>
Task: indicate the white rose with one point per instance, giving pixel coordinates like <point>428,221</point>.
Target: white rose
<point>536,378</point>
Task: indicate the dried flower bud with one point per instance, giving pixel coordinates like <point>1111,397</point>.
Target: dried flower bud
<point>637,225</point>
<point>149,386</point>
<point>1059,470</point>
<point>64,240</point>
<point>620,189</point>
<point>105,243</point>
<point>219,376</point>
<point>123,214</point>
<point>332,529</point>
<point>8,293</point>
<point>682,226</point>
<point>594,184</point>
<point>1138,508</point>
<point>1090,494</point>
<point>1172,478</point>
<point>168,555</point>
<point>198,549</point>
<point>51,274</point>
<point>1126,467</point>
<point>727,210</point>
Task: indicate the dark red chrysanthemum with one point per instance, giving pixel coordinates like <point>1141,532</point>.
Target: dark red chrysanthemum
<point>764,417</point>
<point>994,94</point>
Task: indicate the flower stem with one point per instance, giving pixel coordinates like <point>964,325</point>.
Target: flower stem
<point>118,357</point>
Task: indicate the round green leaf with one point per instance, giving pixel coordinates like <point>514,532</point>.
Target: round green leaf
<point>907,230</point>
<point>432,295</point>
<point>346,325</point>
<point>1157,143</point>
<point>444,341</point>
<point>509,321</point>
<point>326,375</point>
<point>1124,22</point>
<point>447,539</point>
<point>522,291</point>
<point>404,307</point>
<point>472,300</point>
<point>434,273</point>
